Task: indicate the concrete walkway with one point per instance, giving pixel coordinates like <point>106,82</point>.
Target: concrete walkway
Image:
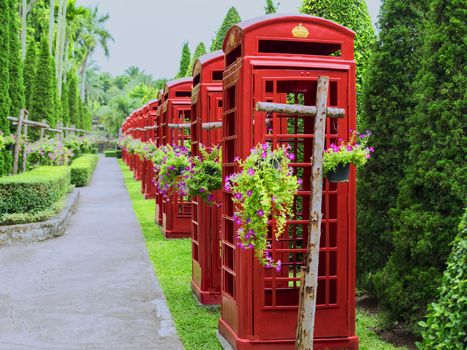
<point>93,288</point>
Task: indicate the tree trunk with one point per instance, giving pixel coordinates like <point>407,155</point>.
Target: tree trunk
<point>51,24</point>
<point>308,289</point>
<point>24,26</point>
<point>82,74</point>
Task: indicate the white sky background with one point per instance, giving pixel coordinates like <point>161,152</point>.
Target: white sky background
<point>150,33</point>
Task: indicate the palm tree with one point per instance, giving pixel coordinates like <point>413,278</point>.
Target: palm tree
<point>92,34</point>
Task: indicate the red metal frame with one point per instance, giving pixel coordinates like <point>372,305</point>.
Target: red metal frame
<point>176,211</point>
<point>149,187</point>
<point>158,141</point>
<point>206,107</point>
<point>278,58</point>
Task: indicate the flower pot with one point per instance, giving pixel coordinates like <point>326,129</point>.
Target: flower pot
<point>340,174</point>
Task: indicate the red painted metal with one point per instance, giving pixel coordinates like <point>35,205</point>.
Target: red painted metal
<point>158,141</point>
<point>149,186</point>
<point>278,58</point>
<point>176,109</point>
<point>206,107</point>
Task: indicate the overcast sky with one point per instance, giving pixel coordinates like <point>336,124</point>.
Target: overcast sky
<point>150,33</point>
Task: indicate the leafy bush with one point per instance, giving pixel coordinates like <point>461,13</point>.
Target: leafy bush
<point>446,324</point>
<point>80,145</point>
<point>48,152</point>
<point>27,218</point>
<point>33,191</point>
<point>118,153</point>
<point>82,169</point>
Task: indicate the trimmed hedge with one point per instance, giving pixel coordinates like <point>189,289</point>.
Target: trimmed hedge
<point>82,169</point>
<point>33,191</point>
<point>118,153</point>
<point>111,153</point>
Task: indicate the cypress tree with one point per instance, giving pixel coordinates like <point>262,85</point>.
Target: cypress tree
<point>29,72</point>
<point>432,193</point>
<point>352,14</point>
<point>199,51</point>
<point>184,62</point>
<point>57,102</point>
<point>73,99</point>
<point>270,7</point>
<point>42,105</point>
<point>232,17</point>
<point>5,101</point>
<point>16,69</point>
<point>388,104</point>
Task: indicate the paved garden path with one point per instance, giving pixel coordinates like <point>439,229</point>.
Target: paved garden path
<point>93,288</point>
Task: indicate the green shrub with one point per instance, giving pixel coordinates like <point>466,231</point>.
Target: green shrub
<point>82,169</point>
<point>118,153</point>
<point>33,191</point>
<point>111,153</point>
<point>446,324</point>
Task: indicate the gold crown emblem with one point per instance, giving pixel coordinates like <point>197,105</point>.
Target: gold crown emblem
<point>300,32</point>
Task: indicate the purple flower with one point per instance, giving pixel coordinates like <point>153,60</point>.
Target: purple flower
<point>236,159</point>
<point>300,182</point>
<point>251,172</point>
<point>227,187</point>
<point>264,155</point>
<point>238,196</point>
<point>349,148</point>
<point>265,146</point>
<point>371,149</point>
<point>249,193</point>
<point>201,189</point>
<point>291,156</point>
<point>278,265</point>
<point>260,212</point>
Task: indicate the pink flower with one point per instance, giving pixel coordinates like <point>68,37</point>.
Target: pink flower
<point>260,212</point>
<point>278,265</point>
<point>251,172</point>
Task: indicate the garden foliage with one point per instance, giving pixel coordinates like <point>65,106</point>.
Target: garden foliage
<point>432,193</point>
<point>73,98</point>
<point>199,51</point>
<point>388,104</point>
<point>446,325</point>
<point>352,14</point>
<point>270,7</point>
<point>82,169</point>
<point>33,191</point>
<point>232,17</point>
<point>184,62</point>
<point>4,80</point>
<point>16,85</point>
<point>29,72</point>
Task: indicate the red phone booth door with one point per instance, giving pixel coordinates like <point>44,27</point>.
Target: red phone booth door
<point>279,291</point>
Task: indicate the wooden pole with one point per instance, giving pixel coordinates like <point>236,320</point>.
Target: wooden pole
<point>178,126</point>
<point>25,154</point>
<point>212,125</point>
<point>308,290</point>
<point>18,141</point>
<point>42,129</point>
<point>298,110</point>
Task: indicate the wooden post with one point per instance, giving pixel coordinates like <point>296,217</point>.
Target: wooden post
<point>42,129</point>
<point>18,141</point>
<point>308,290</point>
<point>25,154</point>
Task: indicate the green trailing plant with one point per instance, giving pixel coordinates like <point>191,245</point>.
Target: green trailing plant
<point>432,193</point>
<point>173,171</point>
<point>232,17</point>
<point>355,151</point>
<point>388,95</point>
<point>446,325</point>
<point>184,62</point>
<point>206,173</point>
<point>263,194</point>
<point>352,14</point>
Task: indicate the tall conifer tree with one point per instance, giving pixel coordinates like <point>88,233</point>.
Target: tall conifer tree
<point>65,105</point>
<point>5,101</point>
<point>432,193</point>
<point>29,72</point>
<point>270,7</point>
<point>73,99</point>
<point>199,51</point>
<point>42,105</point>
<point>354,15</point>
<point>387,106</point>
<point>232,17</point>
<point>184,62</point>
<point>16,85</point>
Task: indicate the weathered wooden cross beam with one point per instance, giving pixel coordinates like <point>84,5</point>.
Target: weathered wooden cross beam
<point>309,282</point>
<point>212,125</point>
<point>179,126</point>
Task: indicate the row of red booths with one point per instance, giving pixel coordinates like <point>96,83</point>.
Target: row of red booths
<point>276,58</point>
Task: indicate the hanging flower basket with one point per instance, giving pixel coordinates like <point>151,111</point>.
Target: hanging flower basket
<point>340,174</point>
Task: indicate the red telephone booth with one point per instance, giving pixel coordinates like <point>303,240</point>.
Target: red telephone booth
<point>176,109</point>
<point>145,122</point>
<point>158,136</point>
<point>149,188</point>
<point>278,58</point>
<point>206,108</point>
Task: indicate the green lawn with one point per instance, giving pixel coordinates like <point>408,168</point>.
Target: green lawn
<point>171,259</point>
